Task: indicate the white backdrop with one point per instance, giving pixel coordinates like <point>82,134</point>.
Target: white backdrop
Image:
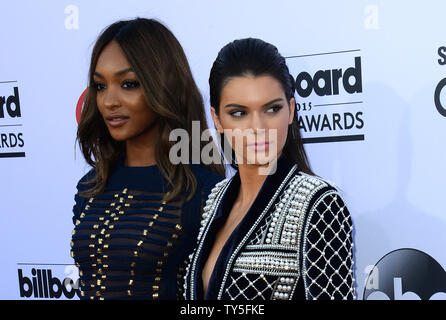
<point>391,172</point>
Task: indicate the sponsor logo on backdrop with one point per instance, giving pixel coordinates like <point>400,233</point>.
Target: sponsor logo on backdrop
<point>329,102</point>
<point>440,103</point>
<point>72,18</point>
<point>406,274</point>
<point>12,141</point>
<point>80,105</point>
<point>48,281</point>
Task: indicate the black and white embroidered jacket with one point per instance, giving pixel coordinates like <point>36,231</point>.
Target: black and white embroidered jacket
<point>295,242</point>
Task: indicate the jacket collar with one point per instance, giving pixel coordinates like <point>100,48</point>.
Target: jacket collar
<point>266,193</point>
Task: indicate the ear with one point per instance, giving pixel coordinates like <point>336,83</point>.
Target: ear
<point>292,110</point>
<point>216,120</point>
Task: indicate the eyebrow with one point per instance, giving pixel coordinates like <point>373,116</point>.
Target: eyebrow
<point>242,106</point>
<point>119,73</point>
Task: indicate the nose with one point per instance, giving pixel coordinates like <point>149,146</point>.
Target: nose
<point>111,98</point>
<point>258,123</point>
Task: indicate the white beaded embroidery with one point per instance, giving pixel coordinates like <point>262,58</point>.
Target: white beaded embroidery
<point>268,267</point>
<point>322,222</point>
<point>209,212</point>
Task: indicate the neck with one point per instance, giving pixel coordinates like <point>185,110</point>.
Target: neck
<point>140,150</point>
<point>250,183</point>
<point>252,178</point>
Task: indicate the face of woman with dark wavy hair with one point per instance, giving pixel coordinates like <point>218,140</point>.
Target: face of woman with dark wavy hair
<point>257,108</point>
<point>120,98</point>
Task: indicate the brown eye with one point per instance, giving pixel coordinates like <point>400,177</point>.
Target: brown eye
<point>237,113</point>
<point>274,109</point>
<point>130,84</point>
<point>98,86</point>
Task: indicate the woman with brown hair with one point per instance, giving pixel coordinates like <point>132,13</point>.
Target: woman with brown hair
<point>137,214</point>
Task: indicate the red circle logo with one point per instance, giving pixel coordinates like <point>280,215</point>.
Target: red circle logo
<point>80,105</point>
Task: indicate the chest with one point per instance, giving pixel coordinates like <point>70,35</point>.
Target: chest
<point>125,239</point>
<point>265,261</point>
<point>235,216</point>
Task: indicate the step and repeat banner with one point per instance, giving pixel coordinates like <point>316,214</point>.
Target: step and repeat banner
<point>371,95</point>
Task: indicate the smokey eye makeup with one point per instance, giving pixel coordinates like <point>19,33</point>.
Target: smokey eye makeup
<point>98,86</point>
<point>127,84</point>
<point>274,109</point>
<point>130,84</point>
<point>237,113</point>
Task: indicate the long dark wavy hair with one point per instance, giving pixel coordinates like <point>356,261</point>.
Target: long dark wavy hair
<point>161,66</point>
<point>255,57</point>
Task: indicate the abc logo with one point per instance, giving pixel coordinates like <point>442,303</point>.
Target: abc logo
<point>406,274</point>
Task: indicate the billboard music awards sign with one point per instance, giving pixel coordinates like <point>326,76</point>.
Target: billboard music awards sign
<point>11,135</point>
<point>329,100</point>
<point>371,104</point>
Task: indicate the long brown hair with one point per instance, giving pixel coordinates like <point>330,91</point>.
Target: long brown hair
<point>256,57</point>
<point>161,66</point>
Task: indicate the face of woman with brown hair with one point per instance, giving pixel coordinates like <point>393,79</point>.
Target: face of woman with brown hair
<point>120,98</point>
<point>257,109</point>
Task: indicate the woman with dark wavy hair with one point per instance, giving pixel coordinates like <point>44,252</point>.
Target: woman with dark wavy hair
<point>274,230</point>
<point>137,214</point>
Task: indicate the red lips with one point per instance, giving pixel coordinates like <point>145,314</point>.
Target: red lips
<point>259,145</point>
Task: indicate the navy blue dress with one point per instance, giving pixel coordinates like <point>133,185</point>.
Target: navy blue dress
<point>127,242</point>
